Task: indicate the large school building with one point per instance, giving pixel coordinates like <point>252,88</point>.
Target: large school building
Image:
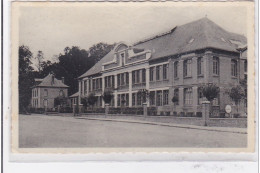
<point>175,63</point>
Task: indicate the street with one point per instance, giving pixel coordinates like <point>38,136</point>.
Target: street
<point>41,131</point>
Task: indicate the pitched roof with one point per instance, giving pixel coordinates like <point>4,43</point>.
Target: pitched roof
<point>51,81</point>
<point>195,35</point>
<point>74,95</point>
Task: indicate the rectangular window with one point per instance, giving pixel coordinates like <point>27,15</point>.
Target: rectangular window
<point>137,76</point>
<point>165,71</point>
<point>216,65</point>
<point>118,80</point>
<point>118,100</point>
<point>158,72</point>
<point>97,84</point>
<point>127,78</point>
<point>176,64</point>
<point>113,81</point>
<point>234,68</point>
<point>187,68</point>
<point>123,100</point>
<point>165,97</point>
<point>143,76</point>
<point>94,84</point>
<point>89,85</point>
<point>151,73</point>
<point>127,100</point>
<point>159,98</point>
<point>122,75</point>
<point>45,92</point>
<point>152,98</point>
<point>133,99</point>
<point>200,96</point>
<point>200,66</point>
<point>133,77</point>
<point>139,99</point>
<point>85,87</point>
<point>188,96</point>
<point>176,96</point>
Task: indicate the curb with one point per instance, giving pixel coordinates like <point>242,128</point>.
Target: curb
<point>167,124</point>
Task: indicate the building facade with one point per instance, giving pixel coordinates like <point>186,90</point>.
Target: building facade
<point>176,63</point>
<point>46,90</point>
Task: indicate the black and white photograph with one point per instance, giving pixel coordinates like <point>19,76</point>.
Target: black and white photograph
<point>133,76</point>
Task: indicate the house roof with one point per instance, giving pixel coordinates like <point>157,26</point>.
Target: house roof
<point>196,35</point>
<point>74,95</point>
<point>50,81</point>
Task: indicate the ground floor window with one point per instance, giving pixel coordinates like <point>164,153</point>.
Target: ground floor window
<point>133,99</point>
<point>176,96</point>
<point>165,97</point>
<point>123,100</point>
<point>159,98</point>
<point>188,96</point>
<point>152,98</point>
<point>139,99</point>
<point>200,96</point>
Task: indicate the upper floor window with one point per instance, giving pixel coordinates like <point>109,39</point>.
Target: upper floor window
<point>234,68</point>
<point>200,66</point>
<point>176,69</point>
<point>137,72</point>
<point>45,92</point>
<point>61,93</point>
<point>187,68</point>
<point>216,65</point>
<point>109,81</point>
<point>133,77</point>
<point>143,75</point>
<point>123,58</point>
<point>151,73</point>
<point>188,96</point>
<point>127,78</point>
<point>165,71</point>
<point>158,72</point>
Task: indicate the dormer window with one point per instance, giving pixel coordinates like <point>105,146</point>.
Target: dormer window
<point>122,55</point>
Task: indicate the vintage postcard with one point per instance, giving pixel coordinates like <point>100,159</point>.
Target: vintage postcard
<point>107,77</point>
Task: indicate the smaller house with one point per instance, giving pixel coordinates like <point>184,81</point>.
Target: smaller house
<point>74,99</point>
<point>46,90</point>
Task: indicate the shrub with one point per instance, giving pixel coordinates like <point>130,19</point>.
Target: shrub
<point>107,96</point>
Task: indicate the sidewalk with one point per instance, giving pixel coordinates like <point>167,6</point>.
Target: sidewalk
<point>138,119</point>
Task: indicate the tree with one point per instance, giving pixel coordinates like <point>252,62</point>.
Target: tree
<point>210,91</point>
<point>92,99</point>
<point>237,93</point>
<point>99,50</point>
<point>26,78</point>
<point>107,96</point>
<point>145,94</point>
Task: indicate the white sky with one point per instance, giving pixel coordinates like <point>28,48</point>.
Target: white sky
<point>52,28</point>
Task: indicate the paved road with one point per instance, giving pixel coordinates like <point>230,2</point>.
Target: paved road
<point>55,131</point>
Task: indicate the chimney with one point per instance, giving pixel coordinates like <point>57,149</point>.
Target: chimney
<point>62,79</point>
<point>52,79</point>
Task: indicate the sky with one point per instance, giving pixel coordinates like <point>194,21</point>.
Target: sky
<point>54,27</point>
